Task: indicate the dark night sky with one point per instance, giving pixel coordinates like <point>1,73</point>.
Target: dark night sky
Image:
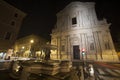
<point>41,15</point>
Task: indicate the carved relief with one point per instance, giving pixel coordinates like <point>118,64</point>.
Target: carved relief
<point>90,38</point>
<point>63,41</point>
<point>54,42</point>
<point>74,40</point>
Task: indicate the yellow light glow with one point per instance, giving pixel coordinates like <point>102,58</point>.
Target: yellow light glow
<point>31,41</point>
<point>23,47</point>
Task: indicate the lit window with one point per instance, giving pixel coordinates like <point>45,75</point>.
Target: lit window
<point>74,21</point>
<point>91,46</point>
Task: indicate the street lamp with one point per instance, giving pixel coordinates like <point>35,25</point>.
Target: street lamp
<point>23,47</point>
<point>31,42</point>
<point>22,51</point>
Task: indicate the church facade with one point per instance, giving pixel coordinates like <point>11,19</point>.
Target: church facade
<point>79,35</point>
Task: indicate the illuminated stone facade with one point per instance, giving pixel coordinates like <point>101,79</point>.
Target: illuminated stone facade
<point>29,46</point>
<point>78,28</point>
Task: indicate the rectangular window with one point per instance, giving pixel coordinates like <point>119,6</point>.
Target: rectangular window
<point>8,35</point>
<point>74,21</point>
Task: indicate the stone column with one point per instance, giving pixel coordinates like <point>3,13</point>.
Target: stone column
<point>57,47</point>
<point>67,46</point>
<point>110,41</point>
<point>81,45</point>
<point>98,47</point>
<point>95,45</point>
<point>60,47</point>
<point>114,54</point>
<point>99,44</point>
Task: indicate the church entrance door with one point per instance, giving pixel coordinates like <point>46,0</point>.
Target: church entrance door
<point>76,52</point>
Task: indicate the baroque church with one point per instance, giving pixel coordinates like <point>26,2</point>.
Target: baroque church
<point>79,35</point>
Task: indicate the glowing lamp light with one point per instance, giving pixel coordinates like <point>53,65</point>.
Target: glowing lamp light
<point>23,47</point>
<point>31,41</point>
<point>83,53</point>
<point>83,49</point>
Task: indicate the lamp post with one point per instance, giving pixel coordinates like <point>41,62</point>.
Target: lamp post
<point>22,51</point>
<point>31,42</point>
